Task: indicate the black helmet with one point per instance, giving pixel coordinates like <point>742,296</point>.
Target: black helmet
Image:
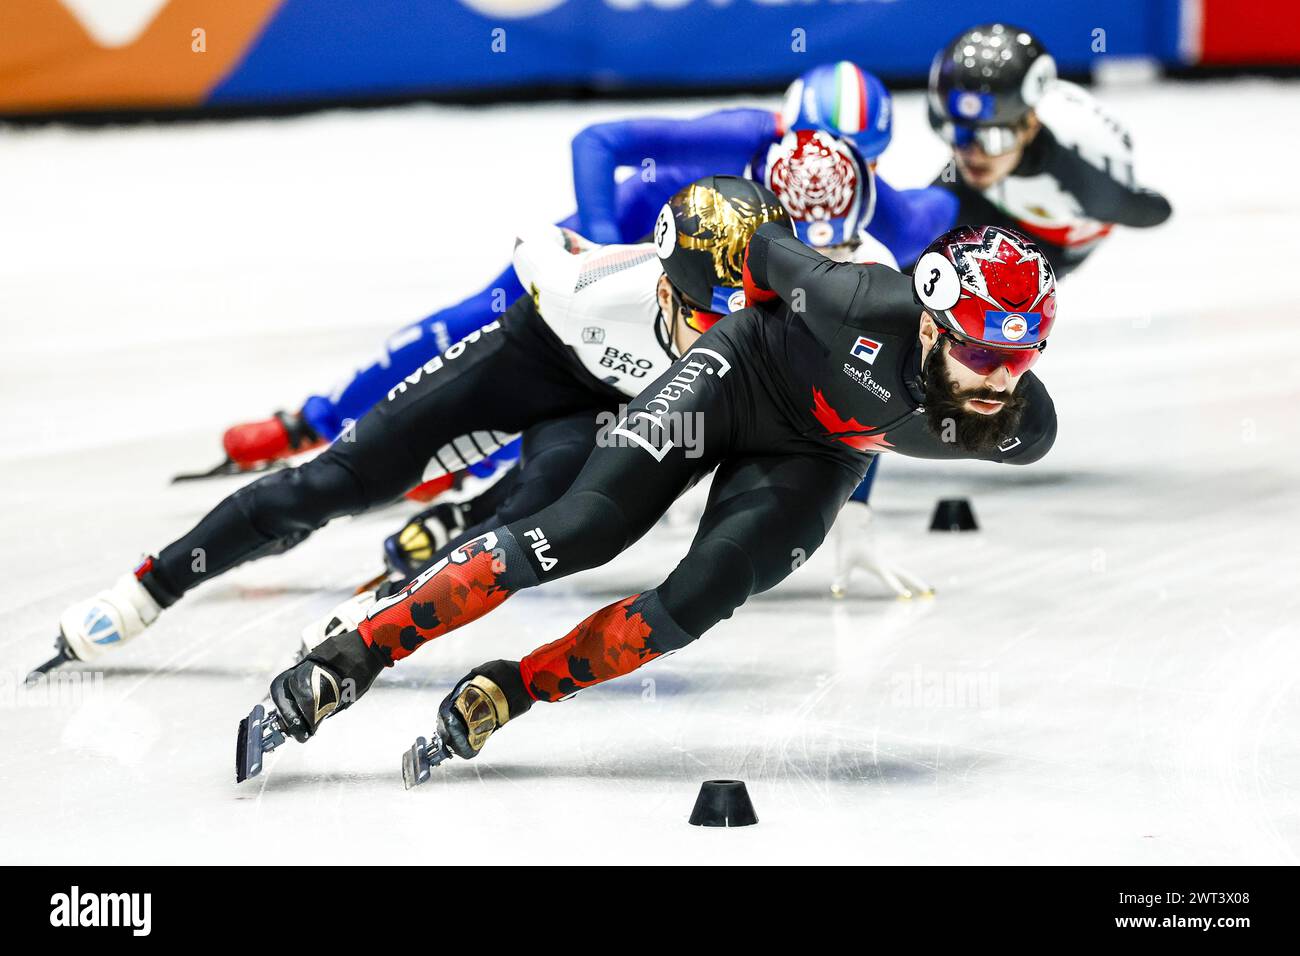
<point>702,233</point>
<point>984,82</point>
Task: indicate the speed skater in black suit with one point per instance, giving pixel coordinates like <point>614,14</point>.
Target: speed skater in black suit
<point>787,400</point>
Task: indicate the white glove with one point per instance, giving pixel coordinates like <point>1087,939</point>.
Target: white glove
<point>854,541</point>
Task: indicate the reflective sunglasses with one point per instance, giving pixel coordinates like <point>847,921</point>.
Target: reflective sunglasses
<point>993,140</point>
<point>985,359</point>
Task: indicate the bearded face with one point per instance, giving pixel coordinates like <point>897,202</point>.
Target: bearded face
<point>950,419</point>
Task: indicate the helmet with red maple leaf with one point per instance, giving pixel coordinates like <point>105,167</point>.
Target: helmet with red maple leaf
<point>989,285</point>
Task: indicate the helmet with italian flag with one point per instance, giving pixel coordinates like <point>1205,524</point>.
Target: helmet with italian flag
<point>845,100</point>
<point>988,285</point>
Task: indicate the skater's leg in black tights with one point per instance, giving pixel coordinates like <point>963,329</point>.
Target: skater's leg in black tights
<point>455,395</point>
<point>625,486</point>
<point>764,518</point>
<point>553,455</point>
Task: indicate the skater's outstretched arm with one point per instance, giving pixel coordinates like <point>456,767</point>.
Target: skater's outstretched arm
<point>1106,193</point>
<point>716,143</point>
<point>820,291</point>
<point>1090,153</point>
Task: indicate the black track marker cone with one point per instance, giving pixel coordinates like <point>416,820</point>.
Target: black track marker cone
<point>723,803</point>
<point>953,514</point>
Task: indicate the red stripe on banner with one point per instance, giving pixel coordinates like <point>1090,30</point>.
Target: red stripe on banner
<point>1265,32</point>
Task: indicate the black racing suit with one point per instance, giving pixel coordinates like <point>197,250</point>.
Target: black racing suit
<point>783,402</point>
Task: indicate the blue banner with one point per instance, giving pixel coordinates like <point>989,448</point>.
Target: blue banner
<point>345,49</point>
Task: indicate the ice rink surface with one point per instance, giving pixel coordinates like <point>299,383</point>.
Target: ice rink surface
<point>1108,674</point>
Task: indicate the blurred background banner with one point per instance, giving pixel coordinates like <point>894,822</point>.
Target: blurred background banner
<point>61,56</point>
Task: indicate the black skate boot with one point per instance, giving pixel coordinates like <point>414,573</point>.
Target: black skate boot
<point>329,679</point>
<point>408,551</point>
<point>485,700</point>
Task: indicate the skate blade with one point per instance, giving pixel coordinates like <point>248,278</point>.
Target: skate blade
<point>259,733</point>
<point>416,768</point>
<point>419,761</point>
<point>229,467</point>
<point>62,656</point>
<point>248,761</point>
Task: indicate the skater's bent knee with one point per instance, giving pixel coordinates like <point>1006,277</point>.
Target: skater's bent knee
<point>586,529</point>
<point>708,585</point>
<point>778,529</point>
<point>538,491</point>
<point>296,501</point>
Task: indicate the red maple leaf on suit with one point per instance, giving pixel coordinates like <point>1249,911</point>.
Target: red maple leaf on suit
<point>850,431</point>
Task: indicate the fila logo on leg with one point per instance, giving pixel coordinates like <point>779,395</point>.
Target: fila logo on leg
<point>540,546</point>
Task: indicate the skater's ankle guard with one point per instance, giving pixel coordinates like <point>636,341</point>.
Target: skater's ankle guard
<point>150,577</point>
<point>508,693</point>
<point>485,700</point>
